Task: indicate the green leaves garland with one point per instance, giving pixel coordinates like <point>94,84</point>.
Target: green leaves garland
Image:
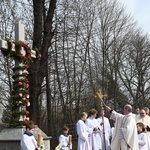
<point>14,51</point>
<point>21,53</point>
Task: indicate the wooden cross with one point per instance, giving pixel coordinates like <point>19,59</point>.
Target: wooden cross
<point>19,36</point>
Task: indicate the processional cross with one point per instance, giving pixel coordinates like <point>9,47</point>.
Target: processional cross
<point>22,55</point>
<point>100,96</point>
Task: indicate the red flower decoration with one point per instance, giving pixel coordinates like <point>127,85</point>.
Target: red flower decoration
<point>27,113</point>
<point>11,43</point>
<point>39,55</point>
<point>20,83</point>
<point>29,57</point>
<point>26,80</point>
<point>27,91</point>
<point>26,66</point>
<point>27,100</point>
<point>27,85</point>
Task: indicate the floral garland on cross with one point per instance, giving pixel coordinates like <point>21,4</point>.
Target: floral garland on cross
<point>20,52</point>
<point>17,54</point>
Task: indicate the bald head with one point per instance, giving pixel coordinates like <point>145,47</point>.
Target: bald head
<point>127,109</point>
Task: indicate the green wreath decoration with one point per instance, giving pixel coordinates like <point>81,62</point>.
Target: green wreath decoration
<point>20,92</point>
<point>17,54</point>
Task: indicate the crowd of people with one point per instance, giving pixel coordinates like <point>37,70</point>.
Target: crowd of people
<point>130,131</point>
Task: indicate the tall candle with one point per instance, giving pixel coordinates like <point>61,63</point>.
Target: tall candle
<point>70,139</point>
<point>39,139</point>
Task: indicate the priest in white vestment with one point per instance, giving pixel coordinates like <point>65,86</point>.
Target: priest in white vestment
<point>82,131</point>
<point>94,130</point>
<point>125,135</point>
<point>106,133</point>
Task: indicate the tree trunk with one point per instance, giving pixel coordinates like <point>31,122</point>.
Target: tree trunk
<point>42,40</point>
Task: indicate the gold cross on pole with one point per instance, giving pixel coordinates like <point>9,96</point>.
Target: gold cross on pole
<point>100,95</point>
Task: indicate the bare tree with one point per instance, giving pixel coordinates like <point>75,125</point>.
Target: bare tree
<point>135,69</point>
<point>85,46</point>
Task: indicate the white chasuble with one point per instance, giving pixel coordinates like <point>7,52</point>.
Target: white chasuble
<point>127,132</point>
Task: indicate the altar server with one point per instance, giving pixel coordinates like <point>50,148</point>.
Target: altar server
<point>82,131</point>
<point>95,138</point>
<point>28,141</point>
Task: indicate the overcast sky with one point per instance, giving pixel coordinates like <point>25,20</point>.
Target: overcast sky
<point>140,10</point>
